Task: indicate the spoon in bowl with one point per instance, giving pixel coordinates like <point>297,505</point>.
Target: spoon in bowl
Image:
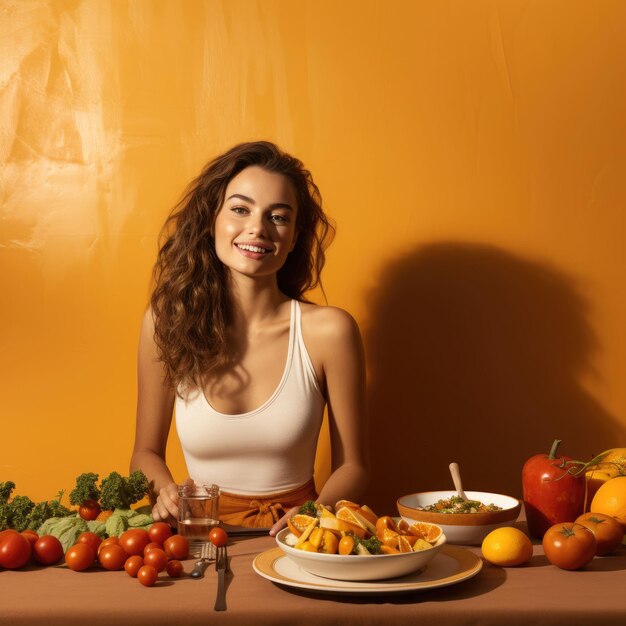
<point>456,479</point>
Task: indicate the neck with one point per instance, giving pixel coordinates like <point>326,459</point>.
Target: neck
<point>255,300</point>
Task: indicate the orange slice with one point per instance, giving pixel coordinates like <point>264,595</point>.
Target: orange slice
<point>403,526</point>
<point>330,543</point>
<point>424,530</point>
<point>351,505</point>
<point>292,528</point>
<point>354,517</point>
<point>307,533</point>
<point>301,522</point>
<point>388,550</point>
<point>339,526</point>
<point>404,545</point>
<point>368,514</point>
<point>388,537</point>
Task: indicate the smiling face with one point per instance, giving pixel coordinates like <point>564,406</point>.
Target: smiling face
<point>255,228</point>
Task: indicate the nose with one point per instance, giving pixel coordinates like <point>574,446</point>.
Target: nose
<point>256,224</point>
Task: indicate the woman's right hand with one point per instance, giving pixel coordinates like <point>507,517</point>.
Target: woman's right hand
<point>166,506</point>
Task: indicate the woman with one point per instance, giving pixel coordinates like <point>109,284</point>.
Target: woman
<point>248,363</point>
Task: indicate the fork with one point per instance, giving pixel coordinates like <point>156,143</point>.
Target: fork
<point>221,565</point>
<point>207,554</point>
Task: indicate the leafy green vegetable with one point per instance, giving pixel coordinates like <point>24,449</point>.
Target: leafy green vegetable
<point>308,508</point>
<point>140,520</point>
<point>97,527</point>
<point>372,545</point>
<point>86,489</point>
<point>65,529</point>
<point>118,492</point>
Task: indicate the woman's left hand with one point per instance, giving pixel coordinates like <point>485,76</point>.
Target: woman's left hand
<point>282,522</point>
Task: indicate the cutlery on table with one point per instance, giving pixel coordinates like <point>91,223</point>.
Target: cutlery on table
<point>206,557</point>
<point>456,479</point>
<point>221,565</point>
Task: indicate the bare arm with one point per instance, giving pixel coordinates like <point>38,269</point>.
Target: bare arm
<point>155,403</point>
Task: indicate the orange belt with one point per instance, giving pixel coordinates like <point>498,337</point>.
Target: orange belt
<point>262,511</point>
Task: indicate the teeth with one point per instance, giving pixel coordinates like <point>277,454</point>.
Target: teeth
<point>245,246</point>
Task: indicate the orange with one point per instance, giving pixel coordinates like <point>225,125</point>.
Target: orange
<point>424,530</point>
<point>346,545</point>
<point>339,526</point>
<point>354,517</point>
<point>351,505</point>
<point>404,545</point>
<point>389,550</point>
<point>301,522</point>
<point>304,537</point>
<point>329,543</point>
<point>388,537</point>
<point>610,499</point>
<point>368,514</point>
<point>292,528</point>
<point>507,547</point>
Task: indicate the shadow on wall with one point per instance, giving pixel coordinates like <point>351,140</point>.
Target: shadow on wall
<point>476,356</point>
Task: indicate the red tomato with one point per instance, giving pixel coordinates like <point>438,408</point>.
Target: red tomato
<point>48,550</point>
<point>157,558</point>
<point>569,545</point>
<point>174,568</point>
<point>176,547</point>
<point>108,542</point>
<point>15,549</point>
<point>79,557</point>
<point>91,539</point>
<point>551,495</point>
<point>31,535</point>
<point>147,575</point>
<point>112,557</point>
<point>134,540</point>
<point>133,565</point>
<point>218,536</point>
<point>89,510</point>
<point>151,546</point>
<point>159,532</point>
<point>606,529</point>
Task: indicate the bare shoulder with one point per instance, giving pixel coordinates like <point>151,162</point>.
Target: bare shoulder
<point>328,323</point>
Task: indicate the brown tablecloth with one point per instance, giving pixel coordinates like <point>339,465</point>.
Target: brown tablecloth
<point>536,593</point>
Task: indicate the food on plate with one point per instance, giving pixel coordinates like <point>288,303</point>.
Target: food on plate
<point>607,530</point>
<point>355,529</point>
<point>552,493</point>
<point>456,504</point>
<point>610,499</point>
<point>507,547</point>
<point>569,545</point>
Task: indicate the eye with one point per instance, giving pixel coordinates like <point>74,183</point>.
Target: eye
<point>279,219</point>
<point>239,210</point>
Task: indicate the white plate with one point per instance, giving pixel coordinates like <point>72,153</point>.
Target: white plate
<point>451,566</point>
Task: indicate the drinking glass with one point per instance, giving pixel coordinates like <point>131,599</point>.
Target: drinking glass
<point>198,513</point>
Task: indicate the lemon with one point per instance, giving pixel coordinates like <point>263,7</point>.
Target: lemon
<point>507,547</point>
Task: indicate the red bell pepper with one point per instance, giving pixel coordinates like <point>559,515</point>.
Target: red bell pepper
<point>551,493</point>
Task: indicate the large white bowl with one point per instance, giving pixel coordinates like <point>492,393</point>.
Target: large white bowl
<point>461,528</point>
<point>359,567</point>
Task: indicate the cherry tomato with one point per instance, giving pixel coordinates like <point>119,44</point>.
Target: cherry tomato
<point>569,545</point>
<point>134,540</point>
<point>48,550</point>
<point>174,568</point>
<point>385,522</point>
<point>15,549</point>
<point>89,510</point>
<point>606,529</point>
<point>111,541</point>
<point>31,535</point>
<point>91,539</point>
<point>159,532</point>
<point>79,557</point>
<point>147,575</point>
<point>176,547</point>
<point>218,536</point>
<point>112,557</point>
<point>133,565</point>
<point>151,546</point>
<point>157,558</point>
<point>346,544</point>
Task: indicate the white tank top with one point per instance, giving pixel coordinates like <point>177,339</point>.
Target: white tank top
<point>263,451</point>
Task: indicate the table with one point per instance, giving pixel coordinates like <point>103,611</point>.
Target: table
<point>536,593</point>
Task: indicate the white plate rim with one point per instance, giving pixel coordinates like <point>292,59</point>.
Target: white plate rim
<point>468,566</point>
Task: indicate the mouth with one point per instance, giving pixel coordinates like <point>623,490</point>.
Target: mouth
<point>253,248</point>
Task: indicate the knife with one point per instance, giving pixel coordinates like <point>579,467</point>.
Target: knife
<point>221,565</point>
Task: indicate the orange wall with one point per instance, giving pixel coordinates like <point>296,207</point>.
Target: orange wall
<point>472,153</point>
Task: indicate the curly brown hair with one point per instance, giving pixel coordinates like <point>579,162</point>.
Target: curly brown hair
<point>190,300</point>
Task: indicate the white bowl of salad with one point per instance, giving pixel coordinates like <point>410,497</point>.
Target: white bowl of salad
<point>358,567</point>
<point>463,522</point>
